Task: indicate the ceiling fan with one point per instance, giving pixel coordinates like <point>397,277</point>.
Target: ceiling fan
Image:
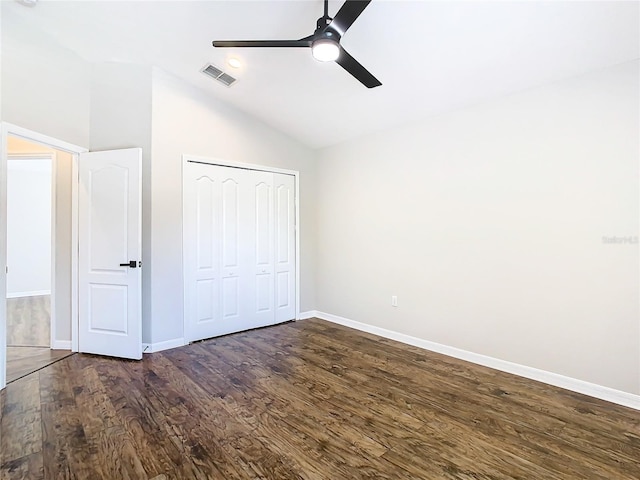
<point>324,42</point>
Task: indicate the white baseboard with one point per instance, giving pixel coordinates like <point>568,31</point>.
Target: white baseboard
<point>160,346</point>
<point>61,345</point>
<point>307,315</point>
<point>36,293</point>
<point>598,391</point>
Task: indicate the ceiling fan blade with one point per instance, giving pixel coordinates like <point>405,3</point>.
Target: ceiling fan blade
<point>352,66</point>
<point>348,14</point>
<point>262,43</point>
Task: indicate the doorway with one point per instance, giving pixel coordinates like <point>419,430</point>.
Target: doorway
<point>38,217</point>
<point>16,143</point>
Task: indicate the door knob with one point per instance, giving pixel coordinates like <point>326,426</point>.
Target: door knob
<point>131,264</point>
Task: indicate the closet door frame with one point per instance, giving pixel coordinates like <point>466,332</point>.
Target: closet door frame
<point>246,166</point>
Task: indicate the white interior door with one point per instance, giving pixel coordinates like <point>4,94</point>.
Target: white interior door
<point>285,247</point>
<point>109,229</point>
<point>259,242</point>
<point>230,237</point>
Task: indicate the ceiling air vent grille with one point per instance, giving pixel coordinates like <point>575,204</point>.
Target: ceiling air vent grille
<point>219,75</point>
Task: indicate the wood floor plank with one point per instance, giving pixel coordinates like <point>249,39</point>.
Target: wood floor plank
<point>22,361</point>
<point>29,467</point>
<point>159,438</point>
<point>364,423</point>
<point>235,393</point>
<point>28,321</point>
<point>540,397</point>
<point>479,411</point>
<point>299,400</point>
<point>308,401</point>
<point>186,406</point>
<point>592,467</point>
<point>112,452</point>
<point>521,415</point>
<point>66,453</point>
<point>22,413</point>
<point>232,406</point>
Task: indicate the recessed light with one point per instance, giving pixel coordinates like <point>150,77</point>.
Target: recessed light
<point>234,62</point>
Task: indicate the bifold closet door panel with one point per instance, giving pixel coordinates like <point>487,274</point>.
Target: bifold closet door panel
<point>235,248</point>
<point>285,247</point>
<point>258,283</point>
<point>202,224</point>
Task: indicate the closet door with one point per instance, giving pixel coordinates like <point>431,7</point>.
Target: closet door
<point>285,248</point>
<point>260,299</point>
<point>239,265</point>
<point>235,239</point>
<point>202,217</point>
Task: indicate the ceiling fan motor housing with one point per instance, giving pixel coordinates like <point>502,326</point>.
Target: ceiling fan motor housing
<point>323,22</point>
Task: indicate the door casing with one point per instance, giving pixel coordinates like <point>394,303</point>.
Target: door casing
<point>75,151</point>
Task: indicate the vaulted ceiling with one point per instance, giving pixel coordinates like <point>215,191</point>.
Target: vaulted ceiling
<point>431,56</point>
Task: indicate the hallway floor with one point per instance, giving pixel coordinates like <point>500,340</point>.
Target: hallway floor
<point>29,337</point>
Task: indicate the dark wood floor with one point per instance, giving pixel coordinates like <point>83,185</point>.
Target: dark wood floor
<point>305,400</point>
<point>22,361</point>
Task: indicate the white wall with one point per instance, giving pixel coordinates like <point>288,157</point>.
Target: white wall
<point>188,121</point>
<point>121,118</point>
<point>487,223</point>
<point>45,88</point>
<point>29,227</point>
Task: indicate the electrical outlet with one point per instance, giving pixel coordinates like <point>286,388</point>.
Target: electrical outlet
<point>394,301</point>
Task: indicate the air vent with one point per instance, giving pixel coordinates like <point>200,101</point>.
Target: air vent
<point>219,75</point>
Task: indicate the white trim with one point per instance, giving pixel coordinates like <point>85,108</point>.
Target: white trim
<point>307,315</point>
<point>54,218</point>
<point>29,294</point>
<point>230,163</point>
<point>31,156</point>
<point>75,246</point>
<point>247,166</point>
<point>61,345</point>
<point>32,136</point>
<point>75,150</point>
<point>586,388</point>
<point>160,346</point>
<point>296,203</point>
<point>3,255</point>
<point>185,307</point>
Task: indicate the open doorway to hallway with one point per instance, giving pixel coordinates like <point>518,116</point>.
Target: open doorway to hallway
<point>38,287</point>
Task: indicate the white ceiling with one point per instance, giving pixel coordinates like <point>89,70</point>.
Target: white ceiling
<point>431,56</point>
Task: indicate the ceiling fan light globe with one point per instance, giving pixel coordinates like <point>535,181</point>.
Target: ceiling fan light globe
<point>325,50</point>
